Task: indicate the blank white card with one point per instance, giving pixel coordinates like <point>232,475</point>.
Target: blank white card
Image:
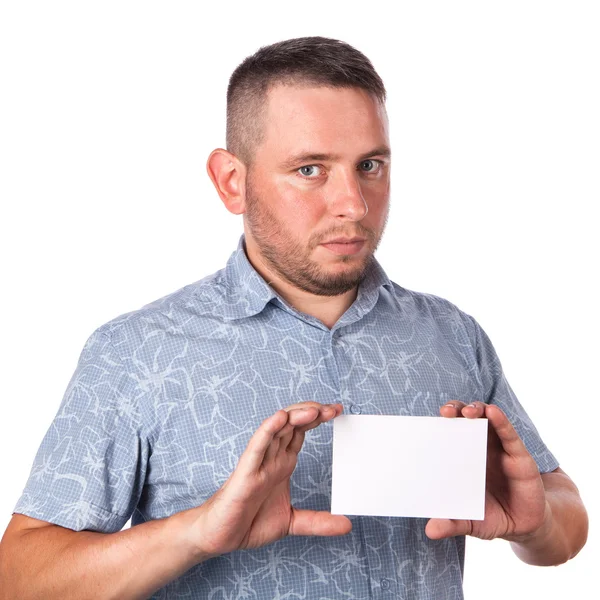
<point>397,466</point>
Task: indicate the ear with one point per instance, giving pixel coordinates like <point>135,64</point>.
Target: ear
<point>228,174</point>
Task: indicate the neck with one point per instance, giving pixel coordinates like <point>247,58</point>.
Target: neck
<point>328,309</point>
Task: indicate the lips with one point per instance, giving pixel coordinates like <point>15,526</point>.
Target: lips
<point>344,240</point>
<point>345,246</point>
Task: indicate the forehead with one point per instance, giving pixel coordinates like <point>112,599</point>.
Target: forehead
<point>340,120</point>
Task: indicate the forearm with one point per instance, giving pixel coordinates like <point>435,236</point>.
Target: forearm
<point>53,562</point>
<point>562,535</point>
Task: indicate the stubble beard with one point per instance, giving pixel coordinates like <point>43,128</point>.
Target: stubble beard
<point>286,257</point>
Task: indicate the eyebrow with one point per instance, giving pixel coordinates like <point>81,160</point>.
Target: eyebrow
<point>306,157</point>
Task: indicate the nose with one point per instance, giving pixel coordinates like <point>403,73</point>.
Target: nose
<point>347,199</point>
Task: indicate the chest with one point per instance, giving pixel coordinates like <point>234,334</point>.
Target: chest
<point>209,401</point>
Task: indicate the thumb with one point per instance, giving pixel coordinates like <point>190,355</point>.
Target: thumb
<point>318,522</point>
<point>436,529</point>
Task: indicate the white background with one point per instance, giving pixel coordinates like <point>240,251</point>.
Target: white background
<point>108,111</point>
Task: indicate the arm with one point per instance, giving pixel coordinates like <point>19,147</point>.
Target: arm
<point>565,528</point>
<point>40,561</point>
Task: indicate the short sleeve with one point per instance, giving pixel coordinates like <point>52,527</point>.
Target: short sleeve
<point>497,390</point>
<point>89,470</point>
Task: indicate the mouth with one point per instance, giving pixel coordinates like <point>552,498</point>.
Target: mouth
<point>345,240</point>
<point>345,246</point>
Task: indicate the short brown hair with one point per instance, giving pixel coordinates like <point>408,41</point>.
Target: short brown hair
<point>303,61</point>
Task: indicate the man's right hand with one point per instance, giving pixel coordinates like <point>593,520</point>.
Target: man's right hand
<point>253,507</point>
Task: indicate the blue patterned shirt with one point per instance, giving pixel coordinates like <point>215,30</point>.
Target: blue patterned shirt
<point>164,400</point>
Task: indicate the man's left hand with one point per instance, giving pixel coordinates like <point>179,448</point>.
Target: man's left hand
<point>515,499</point>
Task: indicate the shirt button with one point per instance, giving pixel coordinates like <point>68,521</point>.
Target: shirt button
<point>385,584</point>
<point>355,409</point>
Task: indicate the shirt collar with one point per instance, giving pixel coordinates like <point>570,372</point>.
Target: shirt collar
<point>247,293</point>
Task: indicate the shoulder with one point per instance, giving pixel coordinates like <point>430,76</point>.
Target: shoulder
<point>169,314</point>
<point>430,305</point>
<point>432,313</point>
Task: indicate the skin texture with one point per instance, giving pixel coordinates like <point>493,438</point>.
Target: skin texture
<point>291,211</point>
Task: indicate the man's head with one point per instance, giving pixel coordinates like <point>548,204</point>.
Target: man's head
<point>307,161</point>
<point>307,62</point>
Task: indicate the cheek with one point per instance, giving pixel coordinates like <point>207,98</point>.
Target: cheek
<point>299,205</point>
<point>378,202</point>
<point>377,199</point>
<point>377,191</point>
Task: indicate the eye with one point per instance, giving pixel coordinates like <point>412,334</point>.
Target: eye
<point>308,171</point>
<point>371,165</point>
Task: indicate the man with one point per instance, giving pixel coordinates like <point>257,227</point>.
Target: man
<point>206,415</point>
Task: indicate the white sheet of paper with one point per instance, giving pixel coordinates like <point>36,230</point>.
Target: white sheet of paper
<point>397,466</point>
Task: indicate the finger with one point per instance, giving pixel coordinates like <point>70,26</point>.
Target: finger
<point>475,410</point>
<point>296,442</point>
<point>305,404</point>
<point>319,406</point>
<point>452,409</point>
<point>272,449</point>
<point>507,434</point>
<point>254,454</point>
<point>327,413</point>
<point>437,529</point>
<point>284,437</point>
<point>285,433</point>
<point>317,522</point>
<point>299,417</point>
<point>281,439</point>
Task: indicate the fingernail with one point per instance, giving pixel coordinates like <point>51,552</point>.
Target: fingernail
<point>473,405</point>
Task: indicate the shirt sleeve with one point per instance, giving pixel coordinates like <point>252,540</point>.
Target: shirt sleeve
<point>497,390</point>
<point>89,470</point>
